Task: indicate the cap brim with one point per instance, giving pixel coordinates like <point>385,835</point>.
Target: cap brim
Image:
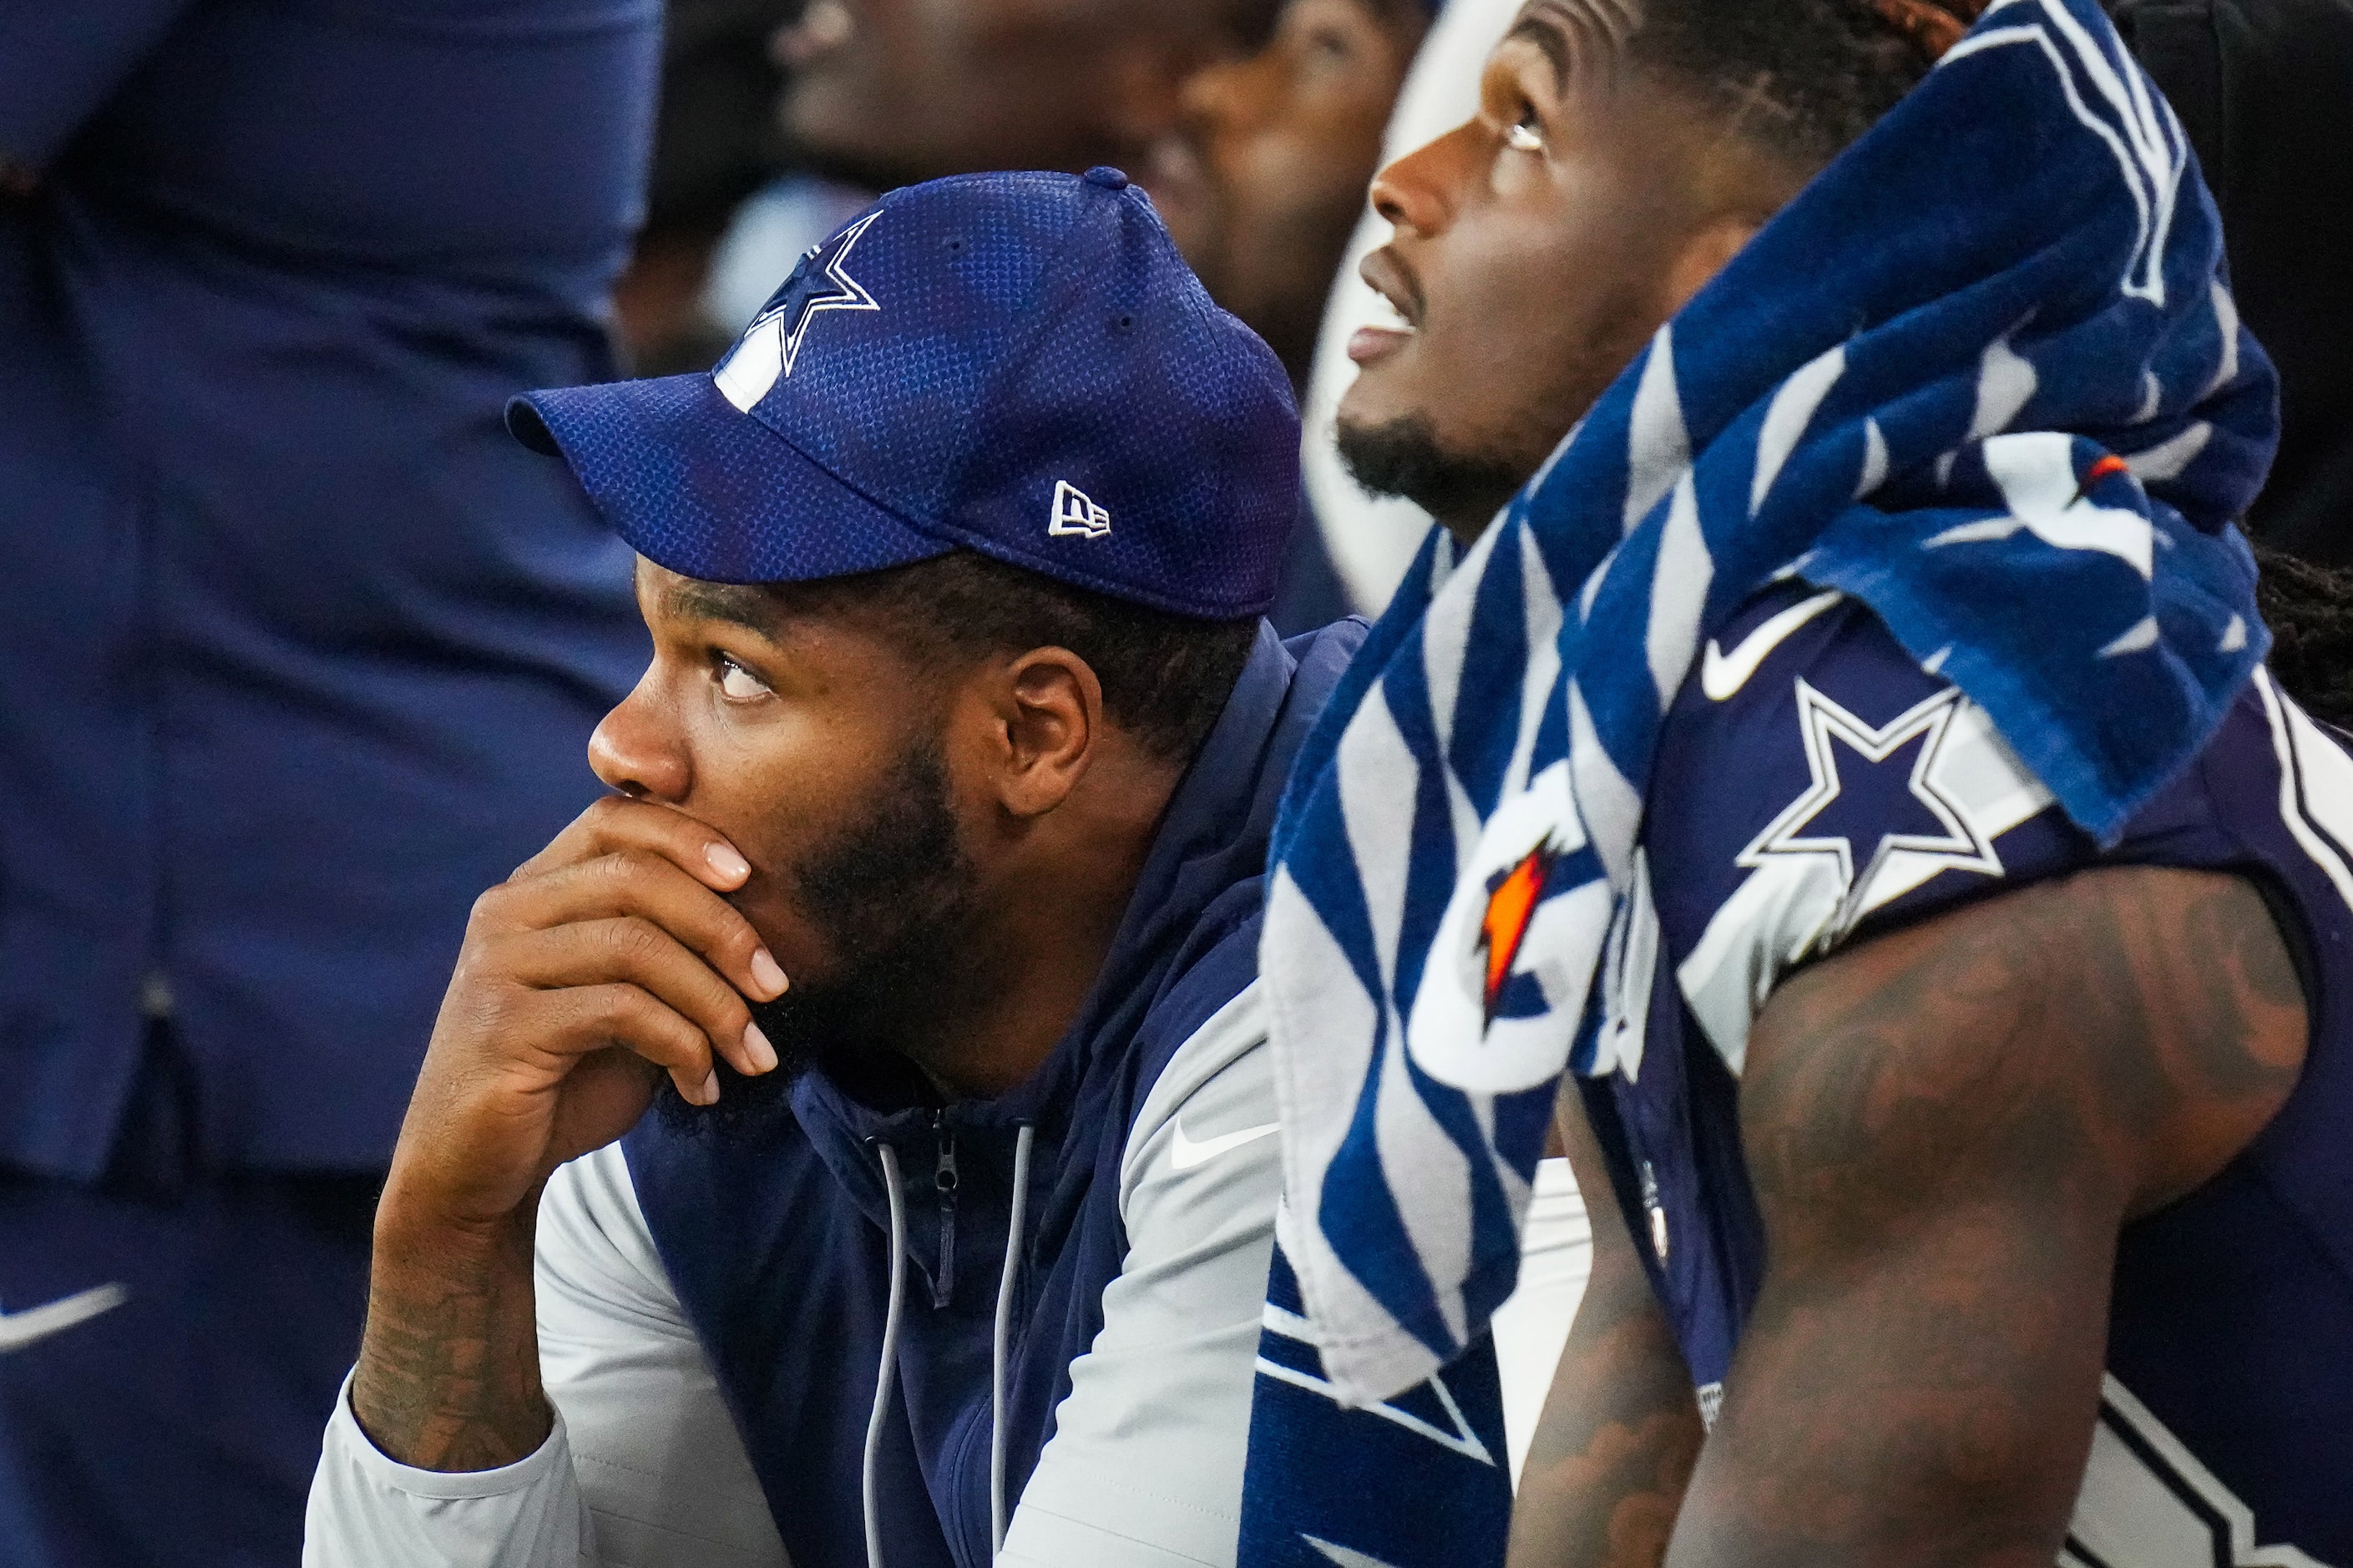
<point>707,492</point>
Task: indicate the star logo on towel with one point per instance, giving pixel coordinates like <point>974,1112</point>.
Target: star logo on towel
<point>1511,899</point>
<point>1873,795</point>
<point>772,343</point>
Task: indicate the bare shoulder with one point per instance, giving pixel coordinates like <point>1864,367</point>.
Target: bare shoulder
<point>2128,1027</point>
<point>1947,1128</point>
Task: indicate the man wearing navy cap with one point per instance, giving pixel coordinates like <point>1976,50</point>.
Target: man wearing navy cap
<point>962,716</point>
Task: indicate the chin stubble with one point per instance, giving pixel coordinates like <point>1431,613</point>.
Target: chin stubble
<point>894,898</point>
<point>1403,457</point>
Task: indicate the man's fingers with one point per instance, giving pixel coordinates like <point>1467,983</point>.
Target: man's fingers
<point>632,949</point>
<point>639,883</point>
<point>618,823</point>
<point>584,1019</point>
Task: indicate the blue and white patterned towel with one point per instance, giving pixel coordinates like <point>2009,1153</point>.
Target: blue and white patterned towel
<point>1985,375</point>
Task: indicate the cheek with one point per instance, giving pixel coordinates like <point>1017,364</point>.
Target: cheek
<point>1539,317</point>
<point>1301,187</point>
<point>787,794</point>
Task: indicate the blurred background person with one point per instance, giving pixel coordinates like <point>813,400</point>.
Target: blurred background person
<point>302,652</point>
<point>1262,179</point>
<point>878,93</point>
<point>716,143</point>
<point>890,92</point>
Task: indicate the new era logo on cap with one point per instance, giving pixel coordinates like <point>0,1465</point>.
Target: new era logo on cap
<point>953,357</point>
<point>1075,513</point>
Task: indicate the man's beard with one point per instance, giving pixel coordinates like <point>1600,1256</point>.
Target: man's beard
<point>894,898</point>
<point>1401,457</point>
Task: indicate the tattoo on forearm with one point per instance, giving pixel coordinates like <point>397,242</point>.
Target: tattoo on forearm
<point>1607,1468</point>
<point>449,1372</point>
<point>1602,1490</point>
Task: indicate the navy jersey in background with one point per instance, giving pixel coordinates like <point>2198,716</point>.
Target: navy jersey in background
<point>301,650</point>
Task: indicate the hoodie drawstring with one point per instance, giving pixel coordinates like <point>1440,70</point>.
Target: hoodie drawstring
<point>885,1373</point>
<point>1004,1333</point>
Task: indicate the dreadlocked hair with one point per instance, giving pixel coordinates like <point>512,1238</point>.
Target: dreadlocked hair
<point>2309,609</point>
<point>1164,677</point>
<point>1802,78</point>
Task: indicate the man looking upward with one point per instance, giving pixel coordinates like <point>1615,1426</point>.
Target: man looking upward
<point>962,716</point>
<point>1965,1064</point>
<point>1262,179</point>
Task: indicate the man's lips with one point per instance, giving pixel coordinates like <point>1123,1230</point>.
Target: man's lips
<point>1394,282</point>
<point>1173,170</point>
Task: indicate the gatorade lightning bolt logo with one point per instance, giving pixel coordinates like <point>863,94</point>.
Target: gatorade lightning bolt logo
<point>1512,901</point>
<point>2110,464</point>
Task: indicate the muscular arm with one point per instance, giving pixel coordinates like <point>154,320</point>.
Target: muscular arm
<point>1607,1468</point>
<point>1946,1129</point>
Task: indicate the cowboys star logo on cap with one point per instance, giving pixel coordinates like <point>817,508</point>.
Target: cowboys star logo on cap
<point>1010,343</point>
<point>772,342</point>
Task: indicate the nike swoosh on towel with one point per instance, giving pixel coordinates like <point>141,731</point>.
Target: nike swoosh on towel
<point>19,1330</point>
<point>1184,1153</point>
<point>1722,674</point>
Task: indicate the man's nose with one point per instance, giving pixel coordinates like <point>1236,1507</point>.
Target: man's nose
<point>636,751</point>
<point>1415,194</point>
<point>1209,96</point>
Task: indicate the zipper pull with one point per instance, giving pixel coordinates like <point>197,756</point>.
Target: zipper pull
<point>943,1177</point>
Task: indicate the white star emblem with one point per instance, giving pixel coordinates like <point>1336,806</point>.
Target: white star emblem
<point>1958,842</point>
<point>1457,1435</point>
<point>772,343</point>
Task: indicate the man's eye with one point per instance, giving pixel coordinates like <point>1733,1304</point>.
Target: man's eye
<point>738,682</point>
<point>1329,46</point>
<point>1522,137</point>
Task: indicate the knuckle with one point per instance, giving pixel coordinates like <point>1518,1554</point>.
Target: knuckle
<point>633,941</point>
<point>666,1038</point>
<point>629,866</point>
<point>728,1015</point>
<point>622,1008</point>
<point>738,937</point>
<point>486,907</point>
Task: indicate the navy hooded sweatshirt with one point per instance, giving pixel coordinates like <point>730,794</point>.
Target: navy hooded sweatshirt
<point>779,1248</point>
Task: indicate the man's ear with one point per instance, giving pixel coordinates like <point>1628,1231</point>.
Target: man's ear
<point>1048,721</point>
<point>1705,254</point>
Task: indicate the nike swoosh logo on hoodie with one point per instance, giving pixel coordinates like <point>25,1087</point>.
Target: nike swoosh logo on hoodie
<point>1184,1153</point>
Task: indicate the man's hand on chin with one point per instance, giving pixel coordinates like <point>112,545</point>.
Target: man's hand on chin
<point>606,959</point>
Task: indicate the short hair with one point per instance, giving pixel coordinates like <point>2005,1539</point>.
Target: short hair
<point>2309,609</point>
<point>1164,677</point>
<point>1803,78</point>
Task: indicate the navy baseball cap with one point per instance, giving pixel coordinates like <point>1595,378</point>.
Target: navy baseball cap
<point>1017,364</point>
